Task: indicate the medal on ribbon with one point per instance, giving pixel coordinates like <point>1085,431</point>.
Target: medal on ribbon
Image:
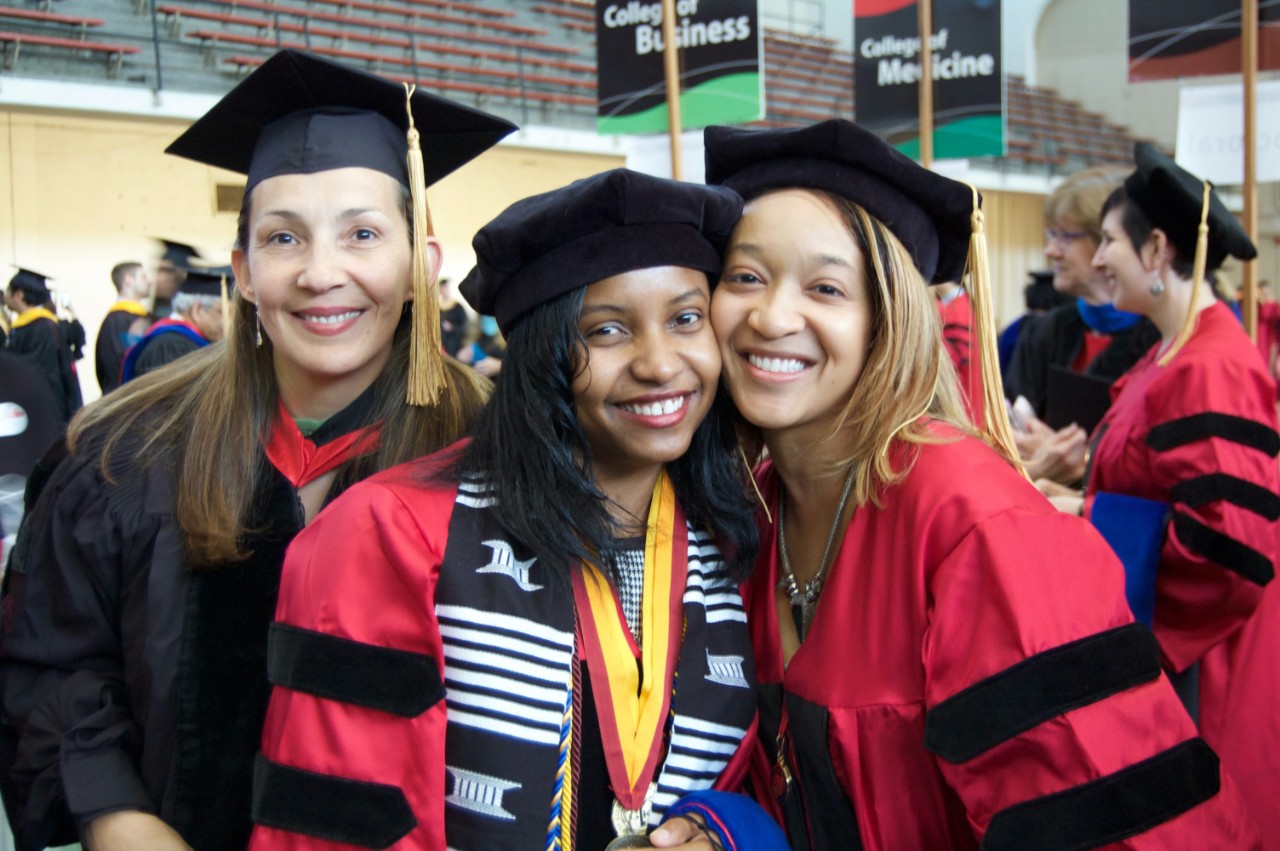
<point>633,701</point>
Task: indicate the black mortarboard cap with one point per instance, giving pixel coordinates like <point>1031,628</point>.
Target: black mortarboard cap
<point>614,222</point>
<point>206,280</point>
<point>30,280</point>
<point>299,114</point>
<point>1171,199</point>
<point>178,253</point>
<point>929,213</point>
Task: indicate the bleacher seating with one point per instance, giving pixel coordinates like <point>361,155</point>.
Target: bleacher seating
<point>511,54</point>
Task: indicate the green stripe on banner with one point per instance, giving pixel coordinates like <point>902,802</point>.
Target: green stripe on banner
<point>978,136</point>
<point>731,99</point>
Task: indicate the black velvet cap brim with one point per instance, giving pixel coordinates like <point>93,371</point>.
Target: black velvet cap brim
<point>604,225</point>
<point>1171,198</point>
<point>929,213</point>
<point>237,133</point>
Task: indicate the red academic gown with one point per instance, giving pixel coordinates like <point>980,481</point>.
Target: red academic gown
<point>1199,434</point>
<point>957,335</point>
<point>973,674</point>
<point>374,584</point>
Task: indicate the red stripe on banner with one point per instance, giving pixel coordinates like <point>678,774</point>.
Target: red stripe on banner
<point>874,8</point>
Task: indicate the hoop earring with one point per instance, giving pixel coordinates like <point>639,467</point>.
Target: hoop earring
<point>257,328</point>
<point>1157,284</point>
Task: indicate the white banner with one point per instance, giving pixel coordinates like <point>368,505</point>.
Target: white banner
<point>1211,132</point>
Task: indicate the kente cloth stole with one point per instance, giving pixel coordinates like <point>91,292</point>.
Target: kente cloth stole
<point>508,631</point>
<point>300,460</point>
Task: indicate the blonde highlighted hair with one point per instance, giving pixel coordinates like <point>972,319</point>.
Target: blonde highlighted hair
<point>908,379</point>
<point>1078,200</point>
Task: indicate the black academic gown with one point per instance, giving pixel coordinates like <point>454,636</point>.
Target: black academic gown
<point>30,416</point>
<point>1055,339</point>
<point>40,343</point>
<point>163,349</point>
<point>113,341</point>
<point>130,680</point>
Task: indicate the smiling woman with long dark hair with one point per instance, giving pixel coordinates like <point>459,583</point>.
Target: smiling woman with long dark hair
<point>533,640</point>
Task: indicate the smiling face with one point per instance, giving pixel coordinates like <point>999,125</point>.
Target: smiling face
<point>650,371</point>
<point>1126,272</point>
<point>1069,248</point>
<point>328,263</point>
<point>792,313</point>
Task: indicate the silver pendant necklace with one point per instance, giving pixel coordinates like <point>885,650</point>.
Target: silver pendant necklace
<point>807,600</point>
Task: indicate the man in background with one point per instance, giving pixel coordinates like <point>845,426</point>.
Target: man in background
<point>35,336</point>
<point>196,321</point>
<point>175,258</point>
<point>125,324</point>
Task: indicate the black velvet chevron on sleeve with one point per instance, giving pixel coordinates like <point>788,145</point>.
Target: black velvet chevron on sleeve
<point>355,812</point>
<point>396,681</point>
<point>1223,486</point>
<point>1111,808</point>
<point>1184,430</point>
<point>1046,685</point>
<point>1223,549</point>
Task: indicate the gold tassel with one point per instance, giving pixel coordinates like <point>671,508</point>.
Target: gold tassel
<point>995,420</point>
<point>1197,278</point>
<point>426,369</point>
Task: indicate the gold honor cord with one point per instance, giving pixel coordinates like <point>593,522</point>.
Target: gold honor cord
<point>1197,278</point>
<point>426,368</point>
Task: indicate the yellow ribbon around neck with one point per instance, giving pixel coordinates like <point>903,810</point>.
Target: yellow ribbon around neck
<point>127,306</point>
<point>31,314</point>
<point>632,703</point>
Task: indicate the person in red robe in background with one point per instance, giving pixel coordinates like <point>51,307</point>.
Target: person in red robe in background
<point>1191,438</point>
<point>957,336</point>
<point>945,660</point>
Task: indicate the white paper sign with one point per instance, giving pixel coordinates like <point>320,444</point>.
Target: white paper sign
<point>1211,132</point>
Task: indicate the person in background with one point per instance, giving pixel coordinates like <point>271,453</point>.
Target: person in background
<point>957,335</point>
<point>125,322</point>
<point>175,259</point>
<point>945,661</point>
<point>1089,335</point>
<point>73,342</point>
<point>37,336</point>
<point>1038,297</point>
<point>454,319</point>
<point>133,663</point>
<point>532,640</point>
<point>485,353</point>
<point>1185,461</point>
<point>196,321</point>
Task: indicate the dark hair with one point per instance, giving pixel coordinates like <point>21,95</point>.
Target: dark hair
<point>1138,228</point>
<point>528,445</point>
<point>33,293</point>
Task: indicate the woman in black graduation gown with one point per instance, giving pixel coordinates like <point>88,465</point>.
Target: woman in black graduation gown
<point>134,669</point>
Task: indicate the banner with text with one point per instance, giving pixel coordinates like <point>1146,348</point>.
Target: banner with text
<point>720,80</point>
<point>1169,39</point>
<point>968,113</point>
